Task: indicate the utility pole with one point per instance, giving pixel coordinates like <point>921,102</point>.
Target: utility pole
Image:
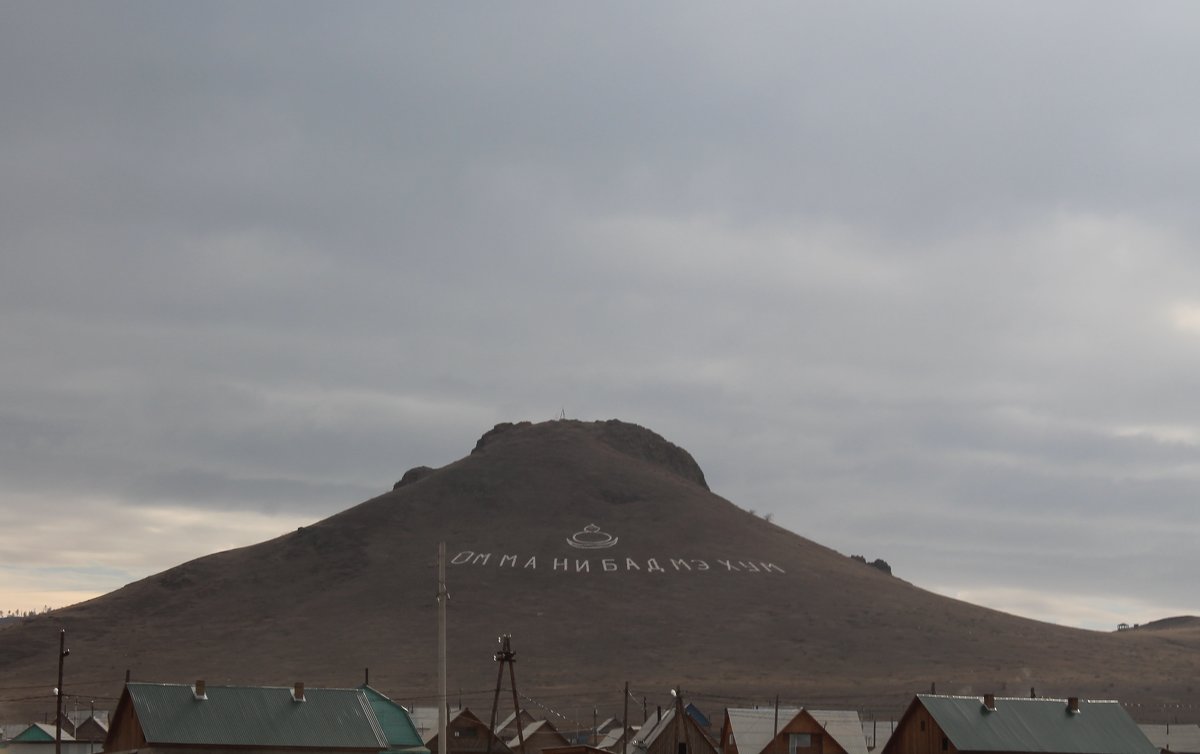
<point>442,597</point>
<point>625,721</point>
<point>506,656</point>
<point>58,691</point>
<point>775,730</point>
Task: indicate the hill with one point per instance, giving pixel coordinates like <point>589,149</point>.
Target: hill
<point>600,548</point>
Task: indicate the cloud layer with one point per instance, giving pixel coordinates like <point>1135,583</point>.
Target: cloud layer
<point>919,282</point>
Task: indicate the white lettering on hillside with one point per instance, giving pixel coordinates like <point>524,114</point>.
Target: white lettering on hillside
<point>613,565</point>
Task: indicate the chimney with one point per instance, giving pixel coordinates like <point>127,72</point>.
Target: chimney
<point>1032,693</point>
<point>298,692</point>
<point>1072,705</point>
<point>199,692</point>
<point>989,702</point>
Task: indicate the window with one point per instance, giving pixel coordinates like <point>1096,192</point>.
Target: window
<point>798,741</point>
<point>681,748</point>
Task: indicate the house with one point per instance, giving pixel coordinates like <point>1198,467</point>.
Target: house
<point>538,735</point>
<point>172,718</point>
<point>1179,739</point>
<point>1049,726</point>
<point>93,729</point>
<point>670,732</point>
<point>468,734</point>
<point>88,725</point>
<point>507,728</point>
<point>398,728</point>
<point>791,730</point>
<point>39,738</point>
<point>614,740</point>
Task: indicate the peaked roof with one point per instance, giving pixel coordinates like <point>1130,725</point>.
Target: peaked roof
<point>526,719</point>
<point>40,732</point>
<point>753,729</point>
<point>532,728</point>
<point>254,716</point>
<point>843,726</point>
<point>643,739</point>
<point>1036,725</point>
<point>398,728</point>
<point>426,720</point>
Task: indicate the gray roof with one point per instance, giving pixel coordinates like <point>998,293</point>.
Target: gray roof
<point>426,720</point>
<point>1037,725</point>
<point>530,729</point>
<point>650,731</point>
<point>255,716</point>
<point>1184,739</point>
<point>754,728</point>
<point>843,726</point>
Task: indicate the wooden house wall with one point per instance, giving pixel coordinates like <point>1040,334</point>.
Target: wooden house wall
<point>683,729</point>
<point>919,733</point>
<point>820,741</point>
<point>468,735</point>
<point>124,731</point>
<point>90,730</point>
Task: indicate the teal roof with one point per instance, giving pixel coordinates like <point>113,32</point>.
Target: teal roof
<point>40,733</point>
<point>396,723</point>
<point>1037,725</point>
<point>255,716</point>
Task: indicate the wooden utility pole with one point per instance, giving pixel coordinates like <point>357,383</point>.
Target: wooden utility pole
<point>58,690</point>
<point>506,656</point>
<point>625,720</point>
<point>442,597</point>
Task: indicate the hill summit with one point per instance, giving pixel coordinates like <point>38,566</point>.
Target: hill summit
<point>599,547</point>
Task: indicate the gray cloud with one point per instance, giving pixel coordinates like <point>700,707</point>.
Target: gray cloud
<point>915,281</point>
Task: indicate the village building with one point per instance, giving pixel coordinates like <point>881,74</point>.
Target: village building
<point>397,725</point>
<point>93,729</point>
<point>1177,739</point>
<point>161,718</point>
<point>791,730</point>
<point>468,734</point>
<point>670,732</point>
<point>39,738</point>
<point>935,724</point>
<point>507,728</point>
<point>614,740</point>
<point>538,735</point>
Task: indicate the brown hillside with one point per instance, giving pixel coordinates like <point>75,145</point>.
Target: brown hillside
<point>740,607</point>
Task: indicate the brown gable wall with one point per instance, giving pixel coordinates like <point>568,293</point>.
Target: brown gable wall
<point>918,733</point>
<point>124,730</point>
<point>682,729</point>
<point>821,742</point>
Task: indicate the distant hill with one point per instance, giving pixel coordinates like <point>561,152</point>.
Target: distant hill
<point>600,548</point>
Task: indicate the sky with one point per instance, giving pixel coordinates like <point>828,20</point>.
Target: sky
<point>920,281</point>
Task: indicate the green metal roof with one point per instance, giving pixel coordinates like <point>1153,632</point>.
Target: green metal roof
<point>397,726</point>
<point>256,716</point>
<point>40,733</point>
<point>1037,725</point>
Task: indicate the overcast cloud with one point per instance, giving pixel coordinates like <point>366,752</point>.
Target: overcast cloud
<point>919,280</point>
